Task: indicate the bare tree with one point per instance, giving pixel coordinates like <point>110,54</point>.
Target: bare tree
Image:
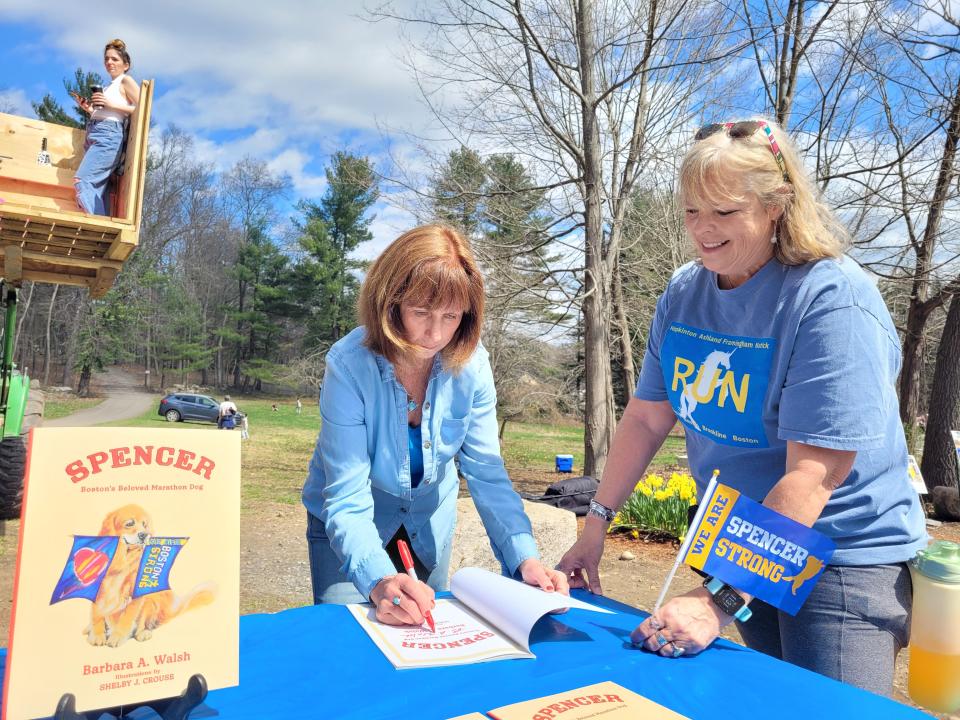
<point>589,94</point>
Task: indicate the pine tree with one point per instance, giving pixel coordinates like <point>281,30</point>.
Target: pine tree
<point>50,110</point>
<point>330,231</point>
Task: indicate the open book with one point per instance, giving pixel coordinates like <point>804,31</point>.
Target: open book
<point>490,619</point>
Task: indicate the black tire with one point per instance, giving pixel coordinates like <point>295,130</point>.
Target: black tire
<point>172,415</point>
<point>13,458</point>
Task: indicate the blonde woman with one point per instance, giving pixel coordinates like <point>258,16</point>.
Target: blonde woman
<point>779,357</point>
<point>403,395</point>
<point>108,109</point>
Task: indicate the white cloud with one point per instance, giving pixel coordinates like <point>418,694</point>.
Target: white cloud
<point>314,66</point>
<point>15,101</point>
<point>286,81</point>
<point>390,222</point>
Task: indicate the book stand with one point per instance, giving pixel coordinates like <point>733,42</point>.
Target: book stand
<point>176,708</point>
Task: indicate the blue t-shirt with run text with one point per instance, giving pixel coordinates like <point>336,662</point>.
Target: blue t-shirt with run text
<point>803,353</point>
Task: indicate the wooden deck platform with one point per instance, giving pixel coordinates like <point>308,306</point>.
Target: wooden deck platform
<point>43,236</point>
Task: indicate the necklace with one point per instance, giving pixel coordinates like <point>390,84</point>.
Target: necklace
<point>411,404</point>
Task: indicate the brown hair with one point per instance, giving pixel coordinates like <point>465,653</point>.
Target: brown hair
<point>430,266</point>
<point>121,47</point>
<point>807,229</point>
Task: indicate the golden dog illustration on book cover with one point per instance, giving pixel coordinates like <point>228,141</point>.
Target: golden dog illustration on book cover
<point>150,596</point>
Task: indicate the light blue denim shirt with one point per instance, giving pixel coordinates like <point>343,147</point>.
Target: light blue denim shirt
<point>359,481</point>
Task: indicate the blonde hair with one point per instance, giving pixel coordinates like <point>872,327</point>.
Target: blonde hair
<point>807,229</point>
<point>430,266</point>
<point>121,47</point>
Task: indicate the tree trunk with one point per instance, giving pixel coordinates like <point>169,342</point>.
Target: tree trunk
<point>939,467</point>
<point>146,362</point>
<point>623,329</point>
<point>23,314</point>
<point>598,413</point>
<point>80,304</point>
<point>913,345</point>
<point>47,349</point>
<point>83,386</point>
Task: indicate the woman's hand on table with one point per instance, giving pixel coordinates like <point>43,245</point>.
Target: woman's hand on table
<point>583,558</point>
<point>415,598</point>
<point>535,573</point>
<point>685,625</point>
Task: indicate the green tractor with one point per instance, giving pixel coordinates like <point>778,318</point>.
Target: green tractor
<point>21,410</point>
<point>44,238</point>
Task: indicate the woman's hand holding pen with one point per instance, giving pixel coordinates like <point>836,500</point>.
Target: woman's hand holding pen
<point>415,597</point>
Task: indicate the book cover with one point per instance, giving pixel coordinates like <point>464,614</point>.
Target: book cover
<point>490,619</point>
<point>607,700</point>
<point>128,572</point>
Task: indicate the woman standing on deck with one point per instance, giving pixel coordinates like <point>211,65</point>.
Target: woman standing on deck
<point>108,109</point>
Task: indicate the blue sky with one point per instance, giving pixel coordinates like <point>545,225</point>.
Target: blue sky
<point>288,81</point>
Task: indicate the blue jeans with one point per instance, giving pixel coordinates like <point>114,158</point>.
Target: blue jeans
<point>851,627</point>
<point>330,585</point>
<point>101,154</point>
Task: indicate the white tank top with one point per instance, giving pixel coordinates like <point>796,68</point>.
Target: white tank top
<point>114,94</point>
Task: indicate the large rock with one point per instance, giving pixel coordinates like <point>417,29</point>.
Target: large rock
<point>555,531</point>
<point>946,502</point>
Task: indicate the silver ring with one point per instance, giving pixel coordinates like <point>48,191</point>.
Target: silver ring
<point>655,624</point>
<point>678,651</point>
<point>661,640</point>
<point>396,600</point>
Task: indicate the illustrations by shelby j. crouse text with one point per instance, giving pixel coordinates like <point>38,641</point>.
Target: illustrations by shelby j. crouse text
<point>128,575</point>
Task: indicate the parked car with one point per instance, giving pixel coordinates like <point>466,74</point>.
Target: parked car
<point>176,407</point>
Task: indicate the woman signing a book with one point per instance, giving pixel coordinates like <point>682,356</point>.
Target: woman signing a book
<point>402,396</point>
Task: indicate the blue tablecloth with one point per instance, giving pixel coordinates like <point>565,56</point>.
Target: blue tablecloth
<point>316,662</point>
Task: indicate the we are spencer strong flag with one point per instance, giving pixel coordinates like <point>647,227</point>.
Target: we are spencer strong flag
<point>757,550</point>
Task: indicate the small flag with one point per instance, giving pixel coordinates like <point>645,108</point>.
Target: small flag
<point>758,550</point>
<point>158,556</point>
<point>85,567</point>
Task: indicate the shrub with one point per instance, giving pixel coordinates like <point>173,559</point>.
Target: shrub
<point>658,506</point>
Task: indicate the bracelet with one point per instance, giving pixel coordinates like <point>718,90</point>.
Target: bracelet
<point>601,511</point>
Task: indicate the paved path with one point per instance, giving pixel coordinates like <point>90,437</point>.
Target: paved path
<point>126,399</point>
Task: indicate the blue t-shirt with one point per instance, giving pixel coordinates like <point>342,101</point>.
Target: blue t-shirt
<point>806,354</point>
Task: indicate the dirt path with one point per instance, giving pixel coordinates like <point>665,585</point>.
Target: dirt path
<point>125,398</point>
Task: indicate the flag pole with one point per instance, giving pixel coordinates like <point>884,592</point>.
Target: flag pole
<point>685,545</point>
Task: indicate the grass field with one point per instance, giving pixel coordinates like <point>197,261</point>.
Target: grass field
<point>59,405</point>
<point>276,457</point>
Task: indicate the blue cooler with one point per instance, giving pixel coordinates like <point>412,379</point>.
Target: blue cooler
<point>564,463</point>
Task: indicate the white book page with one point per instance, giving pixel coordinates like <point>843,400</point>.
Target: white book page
<point>511,606</point>
<point>461,638</point>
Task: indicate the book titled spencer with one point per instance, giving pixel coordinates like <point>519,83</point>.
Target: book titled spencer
<point>128,572</point>
<point>489,618</point>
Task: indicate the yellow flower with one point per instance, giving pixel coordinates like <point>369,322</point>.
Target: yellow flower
<point>661,495</point>
<point>645,489</point>
<point>655,481</point>
<point>635,534</point>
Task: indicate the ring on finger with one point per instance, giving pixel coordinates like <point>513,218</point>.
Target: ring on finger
<point>396,600</point>
<point>655,624</point>
<point>677,651</point>
<point>661,640</point>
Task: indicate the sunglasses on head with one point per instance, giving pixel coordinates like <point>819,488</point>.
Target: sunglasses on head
<point>745,129</point>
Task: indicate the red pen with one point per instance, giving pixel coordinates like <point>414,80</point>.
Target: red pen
<point>407,559</point>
